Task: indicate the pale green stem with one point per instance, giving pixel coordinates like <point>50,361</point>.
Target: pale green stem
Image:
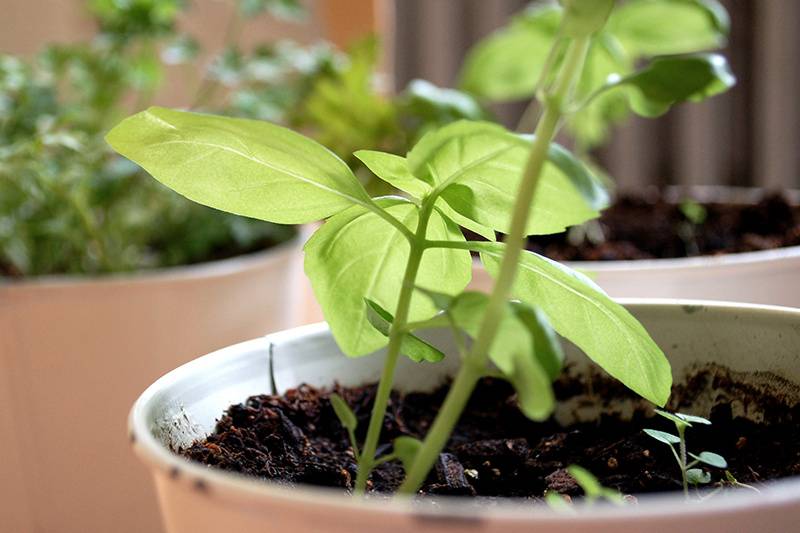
<point>366,461</point>
<point>475,364</point>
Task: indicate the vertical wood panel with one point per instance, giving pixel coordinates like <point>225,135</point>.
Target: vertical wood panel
<point>776,76</point>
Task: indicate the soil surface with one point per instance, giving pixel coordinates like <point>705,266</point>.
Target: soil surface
<point>649,227</point>
<point>497,452</point>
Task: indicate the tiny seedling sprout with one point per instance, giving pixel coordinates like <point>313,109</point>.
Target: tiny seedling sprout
<point>592,489</point>
<point>689,473</point>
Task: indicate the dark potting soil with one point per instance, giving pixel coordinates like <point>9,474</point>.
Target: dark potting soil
<point>495,451</point>
<point>650,227</point>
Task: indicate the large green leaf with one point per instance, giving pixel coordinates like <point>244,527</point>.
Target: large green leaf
<point>669,80</point>
<point>356,255</point>
<point>247,167</point>
<point>478,166</point>
<point>580,311</point>
<point>507,64</point>
<point>661,27</point>
<point>517,350</point>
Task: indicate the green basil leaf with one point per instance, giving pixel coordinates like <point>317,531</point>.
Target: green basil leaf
<point>246,167</point>
<point>711,459</point>
<point>393,169</point>
<point>514,352</point>
<point>662,27</point>
<point>357,255</point>
<point>580,311</point>
<point>693,418</point>
<point>478,166</point>
<point>675,418</point>
<point>406,449</point>
<point>662,436</point>
<point>667,81</point>
<point>507,64</point>
<point>411,346</point>
<point>696,476</point>
<point>546,345</point>
<point>343,412</point>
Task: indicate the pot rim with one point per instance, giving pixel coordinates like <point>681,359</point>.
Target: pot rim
<point>205,269</point>
<point>247,492</point>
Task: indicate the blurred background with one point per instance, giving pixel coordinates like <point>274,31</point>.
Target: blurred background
<point>747,136</point>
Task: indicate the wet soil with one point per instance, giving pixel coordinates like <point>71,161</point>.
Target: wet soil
<point>495,451</point>
<point>650,227</point>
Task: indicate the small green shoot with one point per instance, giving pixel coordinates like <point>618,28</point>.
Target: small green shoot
<point>592,489</point>
<point>689,473</point>
<point>348,419</point>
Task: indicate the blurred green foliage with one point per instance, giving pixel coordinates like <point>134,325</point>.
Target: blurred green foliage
<point>69,205</point>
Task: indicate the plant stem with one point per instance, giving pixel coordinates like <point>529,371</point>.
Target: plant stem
<point>684,468</point>
<point>366,461</point>
<point>475,364</point>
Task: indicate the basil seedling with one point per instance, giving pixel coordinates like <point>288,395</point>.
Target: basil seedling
<point>385,267</point>
<point>689,473</point>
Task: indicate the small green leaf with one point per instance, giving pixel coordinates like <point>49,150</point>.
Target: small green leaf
<point>557,502</point>
<point>584,17</point>
<point>580,311</point>
<point>665,27</point>
<point>357,255</point>
<point>406,448</point>
<point>694,212</point>
<point>679,421</point>
<point>696,476</point>
<point>669,80</point>
<point>343,412</point>
<point>478,166</point>
<point>411,346</point>
<point>546,345</point>
<point>393,170</point>
<point>661,436</point>
<point>590,485</point>
<point>711,459</point>
<point>246,167</point>
<point>436,105</point>
<point>441,300</point>
<point>514,352</point>
<point>507,64</point>
<point>693,418</point>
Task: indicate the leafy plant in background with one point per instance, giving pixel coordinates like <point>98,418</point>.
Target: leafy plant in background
<point>689,473</point>
<point>512,63</point>
<point>68,204</point>
<point>384,268</point>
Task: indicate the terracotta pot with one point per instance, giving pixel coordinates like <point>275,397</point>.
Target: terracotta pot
<point>764,277</point>
<point>183,406</point>
<point>74,353</point>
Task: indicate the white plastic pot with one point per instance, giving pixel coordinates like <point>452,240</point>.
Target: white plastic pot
<point>762,277</point>
<point>183,406</point>
<point>74,353</point>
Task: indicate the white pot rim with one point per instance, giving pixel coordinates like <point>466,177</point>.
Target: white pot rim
<point>206,269</point>
<point>247,492</point>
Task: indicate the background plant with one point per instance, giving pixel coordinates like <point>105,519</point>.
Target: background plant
<point>385,267</point>
<point>508,65</point>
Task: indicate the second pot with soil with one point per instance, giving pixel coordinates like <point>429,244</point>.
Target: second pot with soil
<point>766,276</point>
<point>737,364</point>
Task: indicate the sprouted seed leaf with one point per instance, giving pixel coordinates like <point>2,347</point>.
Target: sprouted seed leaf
<point>405,449</point>
<point>343,412</point>
<point>662,436</point>
<point>696,476</point>
<point>693,419</point>
<point>711,459</point>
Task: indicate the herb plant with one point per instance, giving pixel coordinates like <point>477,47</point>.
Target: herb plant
<point>689,473</point>
<point>384,268</point>
<point>512,63</point>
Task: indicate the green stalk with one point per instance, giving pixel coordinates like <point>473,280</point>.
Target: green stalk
<point>366,461</point>
<point>474,367</point>
<point>684,468</point>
